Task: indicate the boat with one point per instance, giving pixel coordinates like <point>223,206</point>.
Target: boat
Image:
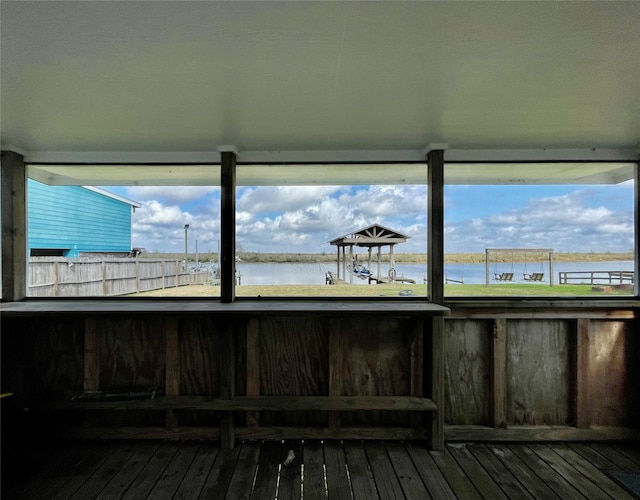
<point>361,272</point>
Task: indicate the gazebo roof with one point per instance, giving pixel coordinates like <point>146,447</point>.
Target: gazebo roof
<point>371,236</point>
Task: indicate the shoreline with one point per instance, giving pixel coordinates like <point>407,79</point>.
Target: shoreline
<point>400,258</point>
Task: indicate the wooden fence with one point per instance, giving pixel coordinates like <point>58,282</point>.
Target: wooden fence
<point>596,277</point>
<point>63,277</point>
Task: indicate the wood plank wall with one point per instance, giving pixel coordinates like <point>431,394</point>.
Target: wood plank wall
<point>498,372</point>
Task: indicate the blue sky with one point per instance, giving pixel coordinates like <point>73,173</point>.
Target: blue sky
<point>303,219</point>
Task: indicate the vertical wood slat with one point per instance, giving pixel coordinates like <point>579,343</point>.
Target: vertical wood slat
<point>497,411</point>
<point>14,226</point>
<point>416,369</point>
<point>91,356</point>
<point>335,369</point>
<point>227,376</point>
<point>437,382</point>
<point>228,226</point>
<point>581,373</point>
<point>253,369</point>
<point>172,367</point>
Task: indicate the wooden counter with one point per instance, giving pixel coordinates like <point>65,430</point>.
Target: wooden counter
<point>376,343</point>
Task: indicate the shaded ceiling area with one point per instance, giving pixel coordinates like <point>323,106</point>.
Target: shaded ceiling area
<point>191,76</point>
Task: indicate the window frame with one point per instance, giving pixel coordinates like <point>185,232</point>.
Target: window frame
<point>14,222</point>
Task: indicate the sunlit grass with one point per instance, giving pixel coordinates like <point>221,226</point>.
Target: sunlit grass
<point>514,290</point>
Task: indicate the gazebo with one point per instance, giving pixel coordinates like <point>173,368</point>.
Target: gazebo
<point>374,236</point>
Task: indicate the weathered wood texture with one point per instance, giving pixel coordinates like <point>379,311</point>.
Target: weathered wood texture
<point>538,384</point>
<point>614,372</point>
<point>373,360</point>
<point>320,470</point>
<point>132,352</point>
<point>91,277</point>
<point>293,356</point>
<point>199,345</point>
<point>13,223</point>
<point>43,359</point>
<point>467,372</point>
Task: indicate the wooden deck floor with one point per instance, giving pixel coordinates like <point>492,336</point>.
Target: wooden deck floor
<point>370,470</point>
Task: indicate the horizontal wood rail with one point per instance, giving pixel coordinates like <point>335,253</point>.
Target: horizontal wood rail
<point>258,403</point>
<point>596,277</point>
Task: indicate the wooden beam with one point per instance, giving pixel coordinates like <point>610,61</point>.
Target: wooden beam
<point>205,433</point>
<point>437,383</point>
<point>435,224</point>
<point>581,373</point>
<point>636,205</point>
<point>251,403</point>
<point>498,408</point>
<point>228,227</point>
<point>540,433</point>
<point>14,226</point>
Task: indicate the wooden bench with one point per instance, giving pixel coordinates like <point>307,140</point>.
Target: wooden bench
<point>503,277</point>
<point>533,276</point>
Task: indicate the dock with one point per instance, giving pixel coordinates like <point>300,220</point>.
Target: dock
<point>397,279</point>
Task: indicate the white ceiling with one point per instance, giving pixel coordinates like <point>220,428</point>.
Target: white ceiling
<point>191,76</point>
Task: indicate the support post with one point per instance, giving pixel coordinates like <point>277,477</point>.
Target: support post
<point>487,276</point>
<point>498,414</point>
<point>636,204</point>
<point>437,382</point>
<point>435,286</point>
<point>228,225</point>
<point>435,231</point>
<point>352,264</point>
<point>14,226</point>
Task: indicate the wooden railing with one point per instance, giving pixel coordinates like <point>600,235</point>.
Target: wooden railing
<point>596,277</point>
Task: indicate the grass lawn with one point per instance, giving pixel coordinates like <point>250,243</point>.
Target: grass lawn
<point>388,290</point>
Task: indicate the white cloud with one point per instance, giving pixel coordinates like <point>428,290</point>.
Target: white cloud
<point>564,222</point>
<point>281,198</point>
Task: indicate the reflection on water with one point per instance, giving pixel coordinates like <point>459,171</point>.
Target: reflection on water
<point>314,274</point>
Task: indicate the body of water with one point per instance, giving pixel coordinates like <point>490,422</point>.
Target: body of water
<point>314,274</point>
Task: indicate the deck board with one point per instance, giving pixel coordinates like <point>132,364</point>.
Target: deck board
<point>476,473</point>
<point>335,465</point>
<point>290,475</point>
<point>170,480</point>
<point>131,469</point>
<point>313,485</point>
<point>579,481</point>
<point>362,484</point>
<point>509,484</point>
<point>367,470</point>
<point>407,474</point>
<point>384,475</point>
<point>241,484</point>
<point>549,476</point>
<point>193,481</point>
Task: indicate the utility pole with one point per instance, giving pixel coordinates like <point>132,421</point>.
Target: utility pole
<point>186,232</point>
